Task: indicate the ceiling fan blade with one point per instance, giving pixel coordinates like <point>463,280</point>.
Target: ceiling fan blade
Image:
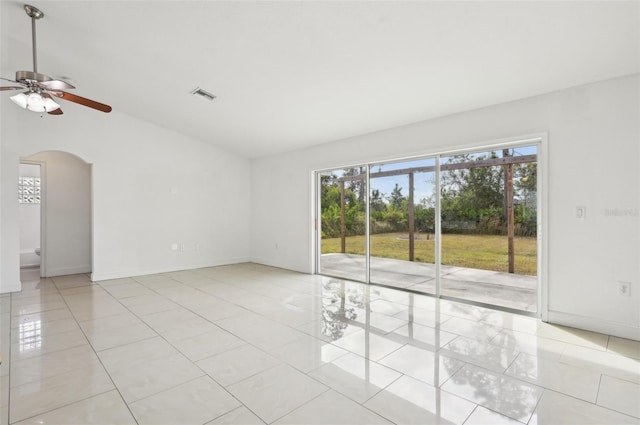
<point>58,110</point>
<point>11,81</point>
<point>82,101</point>
<point>55,85</point>
<point>11,88</point>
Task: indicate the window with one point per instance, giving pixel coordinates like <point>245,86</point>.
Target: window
<point>29,190</point>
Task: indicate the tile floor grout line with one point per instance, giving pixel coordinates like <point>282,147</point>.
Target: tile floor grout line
<point>186,308</point>
<point>535,408</point>
<point>243,379</point>
<point>233,410</point>
<point>106,371</point>
<point>592,404</point>
<point>543,389</point>
<point>192,362</point>
<point>281,362</point>
<point>193,336</point>
<point>63,406</point>
<point>598,391</point>
<point>221,385</point>
<point>472,412</point>
<point>303,404</point>
<point>59,407</point>
<point>386,335</point>
<point>10,361</point>
<point>515,358</point>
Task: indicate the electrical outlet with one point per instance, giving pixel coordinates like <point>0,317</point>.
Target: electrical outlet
<point>581,212</point>
<point>624,289</point>
<point>174,247</point>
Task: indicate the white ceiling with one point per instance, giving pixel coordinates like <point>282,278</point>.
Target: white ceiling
<point>293,74</point>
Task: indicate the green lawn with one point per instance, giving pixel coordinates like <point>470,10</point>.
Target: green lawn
<point>486,252</point>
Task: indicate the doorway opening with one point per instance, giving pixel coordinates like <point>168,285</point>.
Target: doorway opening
<point>460,225</point>
<point>61,231</point>
<point>30,195</point>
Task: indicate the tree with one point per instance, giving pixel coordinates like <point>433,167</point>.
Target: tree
<point>396,199</point>
<point>473,199</point>
<point>474,196</point>
<point>330,209</point>
<point>377,201</point>
<point>357,186</point>
<point>377,208</point>
<point>525,177</point>
<point>526,186</point>
<point>424,218</point>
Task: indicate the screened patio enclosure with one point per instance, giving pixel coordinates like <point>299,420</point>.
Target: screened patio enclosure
<point>460,225</point>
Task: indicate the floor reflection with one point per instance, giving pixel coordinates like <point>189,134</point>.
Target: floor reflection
<point>258,333</point>
<point>30,336</point>
<point>339,307</point>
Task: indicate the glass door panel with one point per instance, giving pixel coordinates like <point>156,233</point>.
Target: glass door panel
<point>402,203</point>
<point>489,223</point>
<point>342,226</point>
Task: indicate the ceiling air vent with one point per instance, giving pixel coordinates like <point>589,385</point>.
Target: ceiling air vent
<point>203,94</point>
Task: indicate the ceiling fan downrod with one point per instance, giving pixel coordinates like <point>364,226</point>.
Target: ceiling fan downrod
<point>34,13</point>
<point>28,76</point>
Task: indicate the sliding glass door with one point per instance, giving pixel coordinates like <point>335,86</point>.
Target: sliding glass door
<point>460,226</point>
<point>489,224</point>
<point>342,223</point>
<point>402,224</point>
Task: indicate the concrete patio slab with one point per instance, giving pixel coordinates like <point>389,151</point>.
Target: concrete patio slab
<point>508,290</point>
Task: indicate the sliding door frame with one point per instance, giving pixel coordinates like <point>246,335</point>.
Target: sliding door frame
<point>540,140</point>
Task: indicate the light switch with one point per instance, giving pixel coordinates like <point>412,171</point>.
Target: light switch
<point>581,212</point>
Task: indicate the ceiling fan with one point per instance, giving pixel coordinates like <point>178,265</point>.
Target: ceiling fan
<point>42,89</point>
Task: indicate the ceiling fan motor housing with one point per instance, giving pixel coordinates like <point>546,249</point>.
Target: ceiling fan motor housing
<point>27,77</point>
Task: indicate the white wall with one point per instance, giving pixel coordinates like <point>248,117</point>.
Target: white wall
<point>67,212</point>
<point>151,188</point>
<point>594,161</point>
<point>29,222</point>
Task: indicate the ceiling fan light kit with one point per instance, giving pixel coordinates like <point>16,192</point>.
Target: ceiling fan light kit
<point>40,88</point>
<point>34,102</point>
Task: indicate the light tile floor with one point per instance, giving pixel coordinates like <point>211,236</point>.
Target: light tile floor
<point>249,344</point>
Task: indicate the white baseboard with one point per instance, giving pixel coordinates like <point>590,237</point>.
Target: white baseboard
<point>29,259</point>
<point>100,276</point>
<point>63,271</point>
<point>621,330</point>
<point>7,289</point>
